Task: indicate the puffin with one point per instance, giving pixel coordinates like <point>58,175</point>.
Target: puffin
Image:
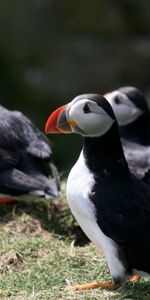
<point>133,116</point>
<point>110,204</point>
<point>25,159</point>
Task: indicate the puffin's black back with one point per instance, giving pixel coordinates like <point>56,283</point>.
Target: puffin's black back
<point>122,202</point>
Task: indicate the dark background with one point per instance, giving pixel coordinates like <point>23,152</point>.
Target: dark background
<point>53,50</point>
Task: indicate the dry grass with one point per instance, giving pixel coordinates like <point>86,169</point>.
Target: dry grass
<point>42,250</point>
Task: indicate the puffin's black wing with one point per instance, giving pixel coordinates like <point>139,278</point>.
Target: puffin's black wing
<point>37,146</point>
<point>123,208</point>
<point>16,130</point>
<point>8,159</point>
<point>138,158</point>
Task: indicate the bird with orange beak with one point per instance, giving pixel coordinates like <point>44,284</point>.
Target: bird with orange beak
<point>110,204</point>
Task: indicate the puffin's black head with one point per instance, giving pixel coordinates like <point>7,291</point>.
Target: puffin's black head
<point>128,104</point>
<point>136,96</point>
<point>89,115</point>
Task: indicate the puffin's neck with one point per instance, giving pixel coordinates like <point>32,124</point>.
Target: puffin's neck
<point>138,131</point>
<point>104,152</point>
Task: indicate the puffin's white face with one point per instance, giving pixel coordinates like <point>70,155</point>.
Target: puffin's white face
<point>88,118</point>
<point>125,110</point>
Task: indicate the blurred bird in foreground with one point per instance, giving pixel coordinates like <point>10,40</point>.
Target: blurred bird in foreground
<point>111,205</point>
<point>25,159</point>
<point>133,115</point>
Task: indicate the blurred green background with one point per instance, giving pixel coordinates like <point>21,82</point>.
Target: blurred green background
<point>53,50</point>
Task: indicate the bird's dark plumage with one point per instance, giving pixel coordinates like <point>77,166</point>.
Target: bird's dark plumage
<point>111,205</point>
<point>122,202</point>
<point>25,158</point>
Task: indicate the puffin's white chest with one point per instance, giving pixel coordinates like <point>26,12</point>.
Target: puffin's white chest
<point>79,185</point>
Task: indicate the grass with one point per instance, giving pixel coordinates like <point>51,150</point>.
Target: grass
<point>42,250</point>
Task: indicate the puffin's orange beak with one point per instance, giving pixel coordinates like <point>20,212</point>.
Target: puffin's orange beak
<point>57,121</point>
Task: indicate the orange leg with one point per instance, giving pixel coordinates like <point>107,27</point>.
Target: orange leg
<point>134,278</point>
<point>93,285</point>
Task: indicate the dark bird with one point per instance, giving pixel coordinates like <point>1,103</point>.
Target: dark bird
<point>25,159</point>
<point>133,115</point>
<point>111,205</point>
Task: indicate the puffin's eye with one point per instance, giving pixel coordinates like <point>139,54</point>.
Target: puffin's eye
<point>86,109</point>
<point>117,100</point>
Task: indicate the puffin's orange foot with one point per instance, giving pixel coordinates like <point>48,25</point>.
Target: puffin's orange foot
<point>91,285</point>
<point>134,278</point>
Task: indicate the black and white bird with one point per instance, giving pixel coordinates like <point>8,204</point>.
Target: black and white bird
<point>110,204</point>
<point>133,115</point>
<point>25,159</point>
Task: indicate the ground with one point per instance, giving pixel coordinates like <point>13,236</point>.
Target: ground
<point>43,250</point>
